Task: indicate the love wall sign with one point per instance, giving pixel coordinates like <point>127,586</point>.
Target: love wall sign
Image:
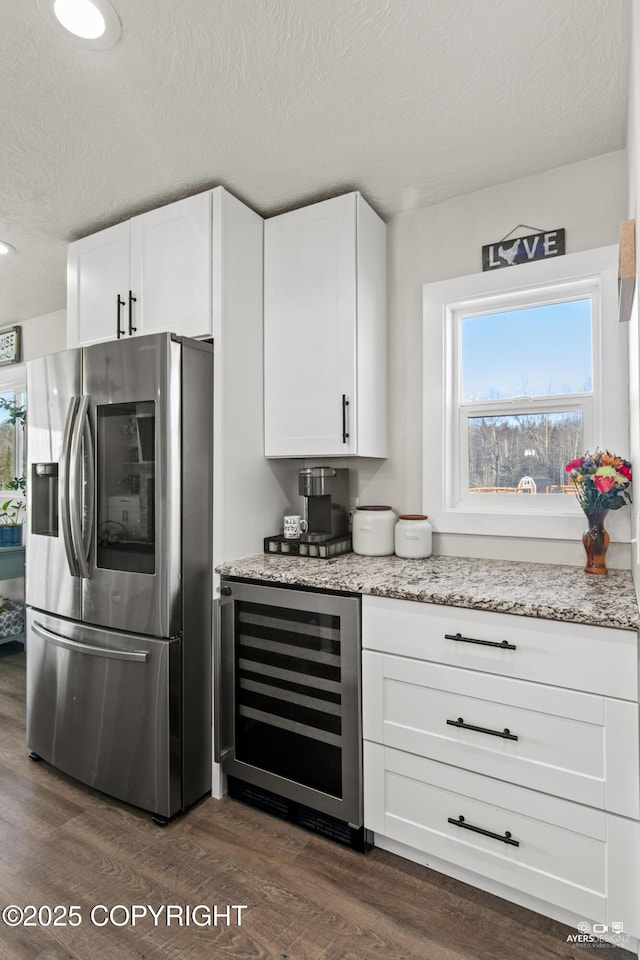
<point>536,246</point>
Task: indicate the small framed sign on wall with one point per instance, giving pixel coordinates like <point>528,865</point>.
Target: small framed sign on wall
<point>9,345</point>
<point>536,246</point>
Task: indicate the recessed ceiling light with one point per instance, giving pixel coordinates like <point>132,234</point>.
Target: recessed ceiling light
<point>80,17</point>
<point>6,248</point>
<point>93,23</point>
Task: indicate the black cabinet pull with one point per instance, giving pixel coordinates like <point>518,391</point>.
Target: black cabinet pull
<point>119,303</point>
<point>504,838</point>
<point>345,404</point>
<point>502,645</point>
<point>132,300</point>
<point>505,734</point>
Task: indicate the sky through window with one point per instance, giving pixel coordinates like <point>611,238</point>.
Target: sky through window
<point>535,351</point>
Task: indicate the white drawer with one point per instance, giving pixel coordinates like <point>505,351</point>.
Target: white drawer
<point>593,659</point>
<point>565,851</point>
<point>575,745</point>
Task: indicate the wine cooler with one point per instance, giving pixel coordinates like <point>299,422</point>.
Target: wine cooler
<point>288,725</point>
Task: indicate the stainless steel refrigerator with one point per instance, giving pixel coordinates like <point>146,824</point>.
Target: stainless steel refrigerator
<point>119,568</point>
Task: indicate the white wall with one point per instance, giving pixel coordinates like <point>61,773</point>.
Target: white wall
<point>40,335</point>
<point>44,334</point>
<point>588,199</point>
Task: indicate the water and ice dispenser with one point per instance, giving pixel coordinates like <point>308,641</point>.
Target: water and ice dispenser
<point>43,495</point>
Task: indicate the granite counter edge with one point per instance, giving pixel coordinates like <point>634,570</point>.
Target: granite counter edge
<point>560,613</point>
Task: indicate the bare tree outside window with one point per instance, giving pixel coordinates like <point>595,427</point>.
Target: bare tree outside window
<point>503,450</point>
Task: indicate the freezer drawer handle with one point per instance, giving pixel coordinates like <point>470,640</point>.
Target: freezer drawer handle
<point>138,656</point>
<point>505,734</point>
<point>506,838</point>
<point>502,645</point>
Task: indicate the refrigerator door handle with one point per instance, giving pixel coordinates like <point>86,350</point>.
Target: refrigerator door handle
<point>79,539</point>
<point>90,485</point>
<point>65,471</point>
<point>139,656</point>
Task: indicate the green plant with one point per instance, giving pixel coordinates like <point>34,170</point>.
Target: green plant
<point>16,414</point>
<point>18,483</point>
<point>12,513</point>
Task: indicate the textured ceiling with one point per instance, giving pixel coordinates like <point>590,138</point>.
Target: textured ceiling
<point>287,101</point>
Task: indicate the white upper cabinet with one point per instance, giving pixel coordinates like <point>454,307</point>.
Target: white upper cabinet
<point>171,267</point>
<point>97,283</point>
<point>325,331</point>
<point>147,275</point>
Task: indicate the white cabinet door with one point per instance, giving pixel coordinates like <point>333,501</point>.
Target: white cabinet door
<point>171,268</point>
<point>573,745</point>
<point>151,274</point>
<point>98,282</point>
<point>549,848</point>
<point>322,327</point>
<point>571,655</point>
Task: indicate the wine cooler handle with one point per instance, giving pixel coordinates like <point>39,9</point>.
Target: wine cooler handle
<point>223,711</point>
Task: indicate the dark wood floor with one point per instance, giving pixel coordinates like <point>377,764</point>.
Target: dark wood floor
<point>306,898</point>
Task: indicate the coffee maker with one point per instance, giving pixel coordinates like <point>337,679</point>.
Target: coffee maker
<point>326,493</point>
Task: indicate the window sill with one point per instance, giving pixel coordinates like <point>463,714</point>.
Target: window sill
<point>551,524</point>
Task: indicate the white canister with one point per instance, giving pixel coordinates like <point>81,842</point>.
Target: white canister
<point>372,531</point>
<point>413,536</point>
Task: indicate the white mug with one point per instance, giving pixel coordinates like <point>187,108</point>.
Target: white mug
<point>294,526</point>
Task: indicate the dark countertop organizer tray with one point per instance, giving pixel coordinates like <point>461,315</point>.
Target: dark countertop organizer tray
<point>302,548</point>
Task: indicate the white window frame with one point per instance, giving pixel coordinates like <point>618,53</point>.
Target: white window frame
<point>445,461</point>
<point>14,382</point>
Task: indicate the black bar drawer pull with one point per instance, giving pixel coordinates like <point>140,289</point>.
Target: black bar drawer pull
<point>505,838</point>
<point>345,404</point>
<point>505,734</point>
<point>503,645</point>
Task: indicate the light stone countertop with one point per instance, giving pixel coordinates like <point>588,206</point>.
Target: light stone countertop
<point>544,590</point>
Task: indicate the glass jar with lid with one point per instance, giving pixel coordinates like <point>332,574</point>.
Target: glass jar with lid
<point>372,532</point>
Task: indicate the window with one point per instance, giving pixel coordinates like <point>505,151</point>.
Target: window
<point>12,441</point>
<point>524,392</point>
<point>516,367</point>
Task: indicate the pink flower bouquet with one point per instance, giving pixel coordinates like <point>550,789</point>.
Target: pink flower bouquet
<point>602,481</point>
